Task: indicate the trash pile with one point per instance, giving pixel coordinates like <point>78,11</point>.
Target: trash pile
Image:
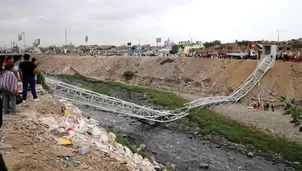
<point>85,135</point>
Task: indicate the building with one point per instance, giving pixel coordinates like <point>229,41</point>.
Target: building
<point>185,43</point>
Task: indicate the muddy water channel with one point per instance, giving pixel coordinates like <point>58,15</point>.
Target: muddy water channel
<point>169,144</point>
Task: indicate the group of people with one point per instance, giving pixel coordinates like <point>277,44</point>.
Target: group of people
<point>10,74</point>
<point>266,106</point>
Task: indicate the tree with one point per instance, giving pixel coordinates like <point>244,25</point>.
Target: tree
<point>291,108</point>
<point>297,45</point>
<point>245,42</point>
<point>207,44</point>
<point>133,48</point>
<point>174,49</point>
<point>217,42</point>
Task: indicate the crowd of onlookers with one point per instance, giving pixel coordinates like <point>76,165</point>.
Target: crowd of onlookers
<point>10,76</point>
<point>266,106</point>
<point>292,58</point>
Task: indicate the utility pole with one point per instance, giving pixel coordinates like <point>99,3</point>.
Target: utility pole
<point>278,31</point>
<point>20,36</point>
<point>66,36</point>
<point>191,39</point>
<point>24,40</point>
<point>139,41</point>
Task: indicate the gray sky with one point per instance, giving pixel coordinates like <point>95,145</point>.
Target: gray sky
<point>121,21</point>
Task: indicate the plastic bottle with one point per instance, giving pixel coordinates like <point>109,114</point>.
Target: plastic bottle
<point>84,150</point>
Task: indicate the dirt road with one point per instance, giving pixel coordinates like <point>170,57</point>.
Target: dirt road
<point>273,123</point>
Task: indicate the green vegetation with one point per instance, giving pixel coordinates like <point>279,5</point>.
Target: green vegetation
<point>90,86</point>
<point>125,142</point>
<point>41,80</point>
<point>128,75</point>
<point>165,99</point>
<point>218,125</point>
<point>290,108</point>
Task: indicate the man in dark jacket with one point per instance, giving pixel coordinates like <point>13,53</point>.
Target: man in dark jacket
<point>27,75</point>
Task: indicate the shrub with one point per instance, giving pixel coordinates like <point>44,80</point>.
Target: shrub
<point>128,75</point>
<point>291,108</point>
<point>168,60</point>
<point>230,89</point>
<point>41,80</point>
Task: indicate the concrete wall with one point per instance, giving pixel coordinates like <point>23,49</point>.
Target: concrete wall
<point>270,50</point>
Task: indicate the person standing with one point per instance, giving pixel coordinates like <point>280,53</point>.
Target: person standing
<point>273,107</point>
<point>267,106</point>
<point>9,86</point>
<point>26,71</point>
<point>2,144</point>
<point>11,60</point>
<point>35,71</point>
<point>1,74</point>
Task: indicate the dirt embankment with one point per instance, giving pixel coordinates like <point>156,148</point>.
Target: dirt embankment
<point>35,149</point>
<point>191,76</point>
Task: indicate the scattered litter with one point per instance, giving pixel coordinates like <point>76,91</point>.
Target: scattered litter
<point>65,141</point>
<point>68,158</point>
<point>75,164</point>
<point>84,150</point>
<point>85,135</point>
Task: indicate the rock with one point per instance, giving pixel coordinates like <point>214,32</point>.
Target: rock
<point>21,151</point>
<point>250,154</point>
<point>231,159</point>
<point>142,146</point>
<point>173,166</point>
<point>112,135</point>
<point>139,149</point>
<point>153,158</point>
<point>204,165</point>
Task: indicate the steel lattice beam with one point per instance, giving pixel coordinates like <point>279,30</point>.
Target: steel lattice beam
<point>107,103</point>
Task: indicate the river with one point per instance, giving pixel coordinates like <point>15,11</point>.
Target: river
<point>169,146</point>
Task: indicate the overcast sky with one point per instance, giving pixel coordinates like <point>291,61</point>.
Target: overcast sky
<point>121,21</point>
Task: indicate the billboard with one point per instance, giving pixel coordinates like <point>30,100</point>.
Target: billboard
<point>19,37</point>
<point>37,41</point>
<point>158,40</point>
<point>129,44</point>
<point>86,39</point>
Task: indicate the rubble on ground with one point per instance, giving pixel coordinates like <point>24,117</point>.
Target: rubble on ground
<point>53,135</point>
<point>85,135</point>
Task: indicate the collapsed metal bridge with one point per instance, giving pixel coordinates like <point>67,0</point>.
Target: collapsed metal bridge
<point>111,104</point>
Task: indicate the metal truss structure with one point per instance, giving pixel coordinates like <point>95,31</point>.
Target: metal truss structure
<point>111,104</point>
<point>262,67</point>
